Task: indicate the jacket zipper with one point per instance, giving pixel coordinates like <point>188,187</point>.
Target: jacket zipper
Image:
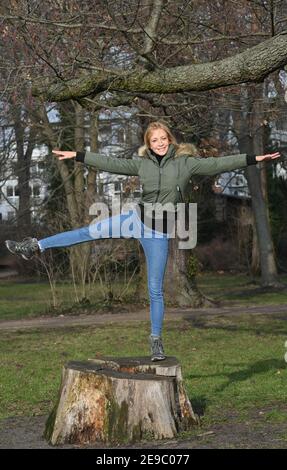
<point>179,190</point>
<point>159,181</point>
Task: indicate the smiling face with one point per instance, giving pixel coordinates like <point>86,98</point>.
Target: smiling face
<point>159,142</point>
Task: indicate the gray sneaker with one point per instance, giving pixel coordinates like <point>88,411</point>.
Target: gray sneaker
<point>27,248</point>
<point>157,352</point>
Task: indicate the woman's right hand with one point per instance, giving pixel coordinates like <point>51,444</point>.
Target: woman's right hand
<point>62,155</point>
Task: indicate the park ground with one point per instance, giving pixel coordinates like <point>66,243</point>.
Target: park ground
<point>232,355</point>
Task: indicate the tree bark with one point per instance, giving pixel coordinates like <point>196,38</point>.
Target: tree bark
<point>80,254</point>
<point>24,156</point>
<point>250,138</point>
<point>62,168</point>
<point>267,261</point>
<point>255,255</point>
<point>114,400</point>
<point>252,65</point>
<point>179,288</point>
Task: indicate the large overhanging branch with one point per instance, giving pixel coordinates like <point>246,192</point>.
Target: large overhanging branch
<point>252,65</point>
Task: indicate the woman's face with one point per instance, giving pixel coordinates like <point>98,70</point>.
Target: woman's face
<point>159,142</point>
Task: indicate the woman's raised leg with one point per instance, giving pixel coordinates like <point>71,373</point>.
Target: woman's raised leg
<point>119,226</point>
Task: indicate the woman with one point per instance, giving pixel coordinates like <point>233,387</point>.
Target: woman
<point>164,170</point>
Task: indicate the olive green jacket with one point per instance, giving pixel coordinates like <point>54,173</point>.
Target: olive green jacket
<point>165,183</point>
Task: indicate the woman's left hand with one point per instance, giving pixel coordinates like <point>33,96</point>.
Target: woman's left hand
<point>267,157</point>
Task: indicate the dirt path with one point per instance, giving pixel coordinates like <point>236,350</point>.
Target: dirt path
<point>27,433</point>
<point>139,315</point>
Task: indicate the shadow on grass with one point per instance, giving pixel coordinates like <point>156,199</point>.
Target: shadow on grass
<point>257,291</point>
<point>199,404</point>
<point>249,323</point>
<point>245,374</point>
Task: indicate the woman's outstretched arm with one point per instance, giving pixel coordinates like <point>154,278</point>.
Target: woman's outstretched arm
<point>214,165</point>
<point>121,166</point>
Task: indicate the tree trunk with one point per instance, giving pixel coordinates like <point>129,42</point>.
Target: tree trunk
<point>115,400</point>
<point>180,289</point>
<point>78,200</point>
<point>250,133</point>
<point>24,156</point>
<point>80,254</point>
<point>266,251</point>
<point>24,210</point>
<point>255,255</point>
<point>142,285</point>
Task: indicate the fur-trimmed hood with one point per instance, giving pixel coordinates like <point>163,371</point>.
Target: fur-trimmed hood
<point>180,149</point>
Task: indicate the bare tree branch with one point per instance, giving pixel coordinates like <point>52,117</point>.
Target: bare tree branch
<point>252,65</point>
<point>151,28</point>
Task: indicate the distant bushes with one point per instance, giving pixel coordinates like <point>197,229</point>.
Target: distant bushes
<point>219,254</point>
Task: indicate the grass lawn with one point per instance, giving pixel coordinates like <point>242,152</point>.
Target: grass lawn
<point>231,365</point>
<point>31,299</point>
<point>19,300</point>
<point>239,289</point>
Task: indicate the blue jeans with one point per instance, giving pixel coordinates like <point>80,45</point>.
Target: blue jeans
<point>126,225</point>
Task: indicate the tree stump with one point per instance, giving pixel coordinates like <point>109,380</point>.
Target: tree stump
<point>114,400</point>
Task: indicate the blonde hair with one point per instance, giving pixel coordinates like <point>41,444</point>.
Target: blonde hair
<point>181,149</point>
<point>158,125</point>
